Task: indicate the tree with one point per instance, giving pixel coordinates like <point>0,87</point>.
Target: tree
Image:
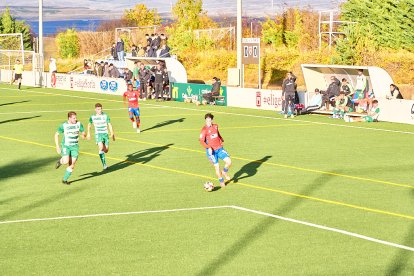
<point>391,21</point>
<point>188,14</point>
<point>9,25</point>
<point>272,32</point>
<point>68,44</point>
<point>140,15</point>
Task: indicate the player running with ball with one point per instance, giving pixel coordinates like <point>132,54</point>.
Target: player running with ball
<point>70,144</point>
<point>212,141</point>
<point>133,106</point>
<point>101,122</point>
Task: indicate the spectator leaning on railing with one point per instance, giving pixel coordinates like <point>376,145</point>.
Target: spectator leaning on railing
<point>394,93</point>
<point>113,71</point>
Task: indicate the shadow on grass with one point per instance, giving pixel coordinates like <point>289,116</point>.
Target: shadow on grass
<point>23,166</point>
<point>19,119</point>
<point>400,262</point>
<point>3,104</point>
<point>165,123</point>
<point>139,157</point>
<point>260,229</point>
<point>250,169</point>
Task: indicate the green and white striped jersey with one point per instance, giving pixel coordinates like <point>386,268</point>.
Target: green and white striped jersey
<point>100,123</point>
<point>70,133</point>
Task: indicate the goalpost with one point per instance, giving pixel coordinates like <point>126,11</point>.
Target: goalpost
<point>12,49</point>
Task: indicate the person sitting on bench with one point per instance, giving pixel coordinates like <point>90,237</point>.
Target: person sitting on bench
<point>215,91</point>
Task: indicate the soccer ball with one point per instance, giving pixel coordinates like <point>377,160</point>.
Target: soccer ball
<point>208,186</point>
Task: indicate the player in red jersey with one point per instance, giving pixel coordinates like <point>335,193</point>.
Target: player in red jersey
<point>133,106</point>
<point>212,141</point>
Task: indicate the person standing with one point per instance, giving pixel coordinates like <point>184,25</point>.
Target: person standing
<point>158,81</point>
<point>120,49</point>
<point>70,144</point>
<point>212,141</point>
<point>144,77</point>
<point>114,54</point>
<point>18,72</point>
<point>102,123</point>
<point>288,92</point>
<point>52,71</point>
<point>133,106</point>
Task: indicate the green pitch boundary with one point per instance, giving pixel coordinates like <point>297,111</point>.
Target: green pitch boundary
<point>343,232</point>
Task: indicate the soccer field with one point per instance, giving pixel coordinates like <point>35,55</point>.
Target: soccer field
<point>309,196</point>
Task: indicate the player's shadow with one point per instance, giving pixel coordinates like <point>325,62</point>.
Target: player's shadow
<point>261,228</point>
<point>26,101</point>
<point>23,166</point>
<point>139,157</point>
<point>165,123</point>
<point>18,119</point>
<point>402,260</point>
<point>250,169</point>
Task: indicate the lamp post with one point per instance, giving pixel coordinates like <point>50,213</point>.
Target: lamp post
<point>40,53</point>
<point>239,42</point>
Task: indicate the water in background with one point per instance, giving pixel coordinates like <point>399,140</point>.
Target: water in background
<point>53,27</point>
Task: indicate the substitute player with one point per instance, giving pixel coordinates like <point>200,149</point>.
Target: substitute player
<point>102,123</point>
<point>70,144</point>
<point>18,72</point>
<point>212,141</point>
<point>133,106</point>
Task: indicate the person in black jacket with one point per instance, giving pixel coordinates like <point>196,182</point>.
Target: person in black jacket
<point>120,49</point>
<point>332,92</point>
<point>114,54</point>
<point>288,93</point>
<point>144,76</point>
<point>158,81</point>
<point>215,91</point>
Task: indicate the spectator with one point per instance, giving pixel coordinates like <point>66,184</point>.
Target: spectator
<point>141,51</point>
<point>113,71</point>
<point>215,91</point>
<point>347,87</point>
<point>149,39</point>
<point>134,51</point>
<point>166,83</point>
<point>155,44</point>
<point>315,102</point>
<point>163,39</point>
<point>288,92</point>
<point>113,52</point>
<point>120,49</point>
<point>127,75</point>
<point>342,105</point>
<point>158,81</point>
<point>106,72</point>
<point>394,93</point>
<point>102,64</point>
<point>144,76</point>
<point>165,51</point>
<point>53,71</point>
<point>372,115</point>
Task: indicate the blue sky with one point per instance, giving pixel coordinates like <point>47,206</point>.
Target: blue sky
<point>101,9</point>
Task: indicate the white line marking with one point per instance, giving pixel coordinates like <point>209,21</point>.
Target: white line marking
<point>63,110</point>
<point>114,214</point>
<point>228,113</point>
<point>343,232</point>
<point>326,228</point>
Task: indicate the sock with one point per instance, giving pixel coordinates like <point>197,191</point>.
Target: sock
<point>225,169</point>
<point>20,85</point>
<point>221,179</point>
<point>102,156</point>
<point>342,113</point>
<point>68,172</point>
<point>138,122</point>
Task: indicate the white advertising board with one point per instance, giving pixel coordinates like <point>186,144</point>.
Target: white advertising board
<point>397,111</point>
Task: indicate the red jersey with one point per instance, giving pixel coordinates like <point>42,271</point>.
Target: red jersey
<point>210,137</point>
<point>132,98</point>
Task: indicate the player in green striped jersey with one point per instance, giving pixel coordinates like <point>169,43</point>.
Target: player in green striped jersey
<point>70,144</point>
<point>102,123</point>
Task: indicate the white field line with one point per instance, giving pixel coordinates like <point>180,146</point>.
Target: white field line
<point>343,232</point>
<point>114,214</point>
<point>229,113</point>
<point>326,228</point>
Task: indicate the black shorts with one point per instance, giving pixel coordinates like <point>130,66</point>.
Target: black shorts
<point>17,76</point>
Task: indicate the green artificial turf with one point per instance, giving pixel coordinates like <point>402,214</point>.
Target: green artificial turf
<point>355,177</point>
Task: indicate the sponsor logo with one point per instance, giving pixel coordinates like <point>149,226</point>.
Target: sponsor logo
<point>189,90</point>
<point>71,82</point>
<point>113,86</point>
<point>104,85</point>
<point>258,99</point>
<point>84,83</point>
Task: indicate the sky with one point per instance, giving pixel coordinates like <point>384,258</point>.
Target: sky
<point>110,9</point>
